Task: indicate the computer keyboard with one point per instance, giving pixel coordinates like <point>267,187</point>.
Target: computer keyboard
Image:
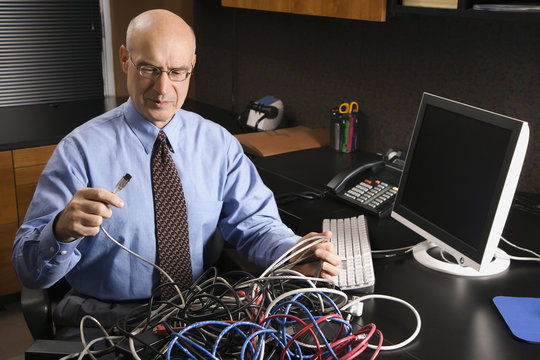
<point>350,236</point>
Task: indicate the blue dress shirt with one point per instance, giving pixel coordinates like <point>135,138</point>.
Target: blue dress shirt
<point>222,188</point>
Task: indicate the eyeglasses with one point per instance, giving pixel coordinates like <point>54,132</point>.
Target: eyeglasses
<point>153,72</point>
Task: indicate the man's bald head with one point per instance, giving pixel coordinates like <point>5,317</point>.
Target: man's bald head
<point>156,24</point>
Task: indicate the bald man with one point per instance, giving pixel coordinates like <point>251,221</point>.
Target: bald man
<point>61,236</point>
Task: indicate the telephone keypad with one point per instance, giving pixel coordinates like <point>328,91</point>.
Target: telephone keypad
<point>372,195</point>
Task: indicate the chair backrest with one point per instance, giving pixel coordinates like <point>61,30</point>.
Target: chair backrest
<point>36,306</point>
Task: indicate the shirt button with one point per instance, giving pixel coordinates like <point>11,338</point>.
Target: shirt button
<point>51,249</point>
<point>37,270</point>
<point>63,252</point>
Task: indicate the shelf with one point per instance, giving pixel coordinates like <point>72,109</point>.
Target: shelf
<point>464,10</point>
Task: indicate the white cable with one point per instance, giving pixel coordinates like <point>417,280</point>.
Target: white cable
<point>294,275</point>
<point>292,253</point>
<point>86,350</point>
<point>392,252</point>
<point>387,297</point>
<point>146,261</point>
<point>83,338</point>
<point>536,258</point>
<point>132,345</point>
<point>500,254</point>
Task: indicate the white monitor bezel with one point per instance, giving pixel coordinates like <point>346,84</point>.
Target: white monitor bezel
<point>480,258</point>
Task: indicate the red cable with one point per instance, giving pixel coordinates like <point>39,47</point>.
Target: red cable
<point>308,327</point>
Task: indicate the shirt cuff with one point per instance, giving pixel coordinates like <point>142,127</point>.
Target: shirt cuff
<point>53,249</point>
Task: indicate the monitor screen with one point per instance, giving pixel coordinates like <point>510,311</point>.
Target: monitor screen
<point>459,178</point>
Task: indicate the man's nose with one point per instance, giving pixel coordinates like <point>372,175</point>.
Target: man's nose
<point>161,83</point>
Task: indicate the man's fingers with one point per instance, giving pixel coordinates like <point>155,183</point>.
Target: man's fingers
<point>331,261</point>
<point>95,208</point>
<point>329,271</point>
<point>102,195</point>
<point>80,230</point>
<point>327,252</point>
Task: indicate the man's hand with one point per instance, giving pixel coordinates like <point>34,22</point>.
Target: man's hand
<point>327,264</point>
<point>84,214</point>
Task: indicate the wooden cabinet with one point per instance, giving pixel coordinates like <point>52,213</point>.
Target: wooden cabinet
<point>28,165</point>
<point>372,10</point>
<point>19,173</point>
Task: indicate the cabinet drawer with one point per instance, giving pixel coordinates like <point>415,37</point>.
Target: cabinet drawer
<point>32,156</point>
<point>9,284</point>
<point>24,197</point>
<point>8,203</point>
<point>28,175</point>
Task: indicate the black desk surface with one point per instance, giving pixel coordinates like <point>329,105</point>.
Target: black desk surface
<point>459,319</point>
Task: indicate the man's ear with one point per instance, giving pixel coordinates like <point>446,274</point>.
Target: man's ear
<point>124,58</point>
<point>194,61</point>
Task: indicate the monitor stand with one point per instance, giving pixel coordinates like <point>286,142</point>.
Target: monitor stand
<point>422,255</point>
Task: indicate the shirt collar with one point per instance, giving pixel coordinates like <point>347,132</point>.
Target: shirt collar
<point>147,132</point>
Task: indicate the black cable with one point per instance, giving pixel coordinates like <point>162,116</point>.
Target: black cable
<point>286,198</point>
<point>194,316</point>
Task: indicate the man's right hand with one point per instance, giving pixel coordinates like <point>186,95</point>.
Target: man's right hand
<point>84,213</point>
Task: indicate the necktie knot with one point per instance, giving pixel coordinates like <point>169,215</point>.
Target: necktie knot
<point>162,138</point>
<point>161,143</point>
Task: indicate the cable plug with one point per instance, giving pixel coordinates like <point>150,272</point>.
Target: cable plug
<point>357,307</point>
<point>122,183</point>
<point>160,330</point>
<point>361,336</point>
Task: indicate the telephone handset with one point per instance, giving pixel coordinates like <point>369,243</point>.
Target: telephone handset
<point>362,188</point>
<point>339,181</point>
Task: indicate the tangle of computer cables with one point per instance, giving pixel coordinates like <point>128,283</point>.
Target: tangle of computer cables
<point>280,314</point>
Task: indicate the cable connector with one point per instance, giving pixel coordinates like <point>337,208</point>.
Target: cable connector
<point>361,336</point>
<point>122,183</point>
<point>160,330</point>
<point>357,307</point>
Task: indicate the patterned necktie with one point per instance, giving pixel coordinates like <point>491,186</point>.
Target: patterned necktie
<point>171,218</point>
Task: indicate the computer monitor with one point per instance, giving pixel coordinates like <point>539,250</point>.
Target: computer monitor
<point>458,182</point>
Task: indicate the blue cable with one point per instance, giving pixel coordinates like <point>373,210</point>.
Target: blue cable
<point>257,333</point>
<point>234,326</point>
<point>288,304</point>
<point>187,328</point>
<point>186,351</point>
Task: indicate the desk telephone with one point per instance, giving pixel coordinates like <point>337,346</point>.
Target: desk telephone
<point>362,188</point>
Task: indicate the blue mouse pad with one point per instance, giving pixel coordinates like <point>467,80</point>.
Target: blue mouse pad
<point>522,314</point>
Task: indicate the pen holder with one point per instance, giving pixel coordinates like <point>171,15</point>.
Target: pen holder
<point>344,131</point>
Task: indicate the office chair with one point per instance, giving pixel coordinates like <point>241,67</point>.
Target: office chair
<point>37,309</point>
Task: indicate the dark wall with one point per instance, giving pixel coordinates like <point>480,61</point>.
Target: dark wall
<point>312,62</point>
